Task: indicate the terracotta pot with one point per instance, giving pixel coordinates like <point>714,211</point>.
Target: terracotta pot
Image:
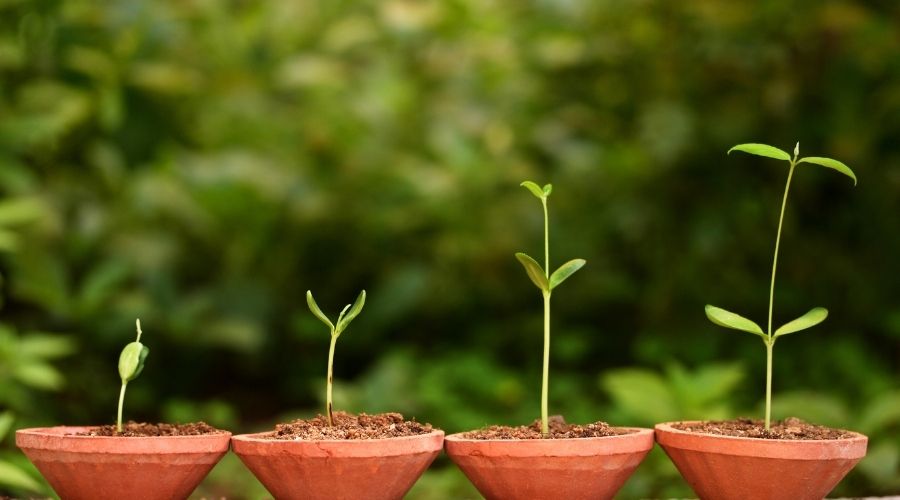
<point>550,468</point>
<point>98,468</point>
<point>725,467</point>
<point>338,469</point>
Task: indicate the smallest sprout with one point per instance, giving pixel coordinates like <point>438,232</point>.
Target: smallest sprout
<point>344,318</point>
<point>131,364</point>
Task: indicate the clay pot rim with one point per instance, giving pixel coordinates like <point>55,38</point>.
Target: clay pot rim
<point>253,438</point>
<point>252,444</point>
<point>61,437</point>
<point>636,442</point>
<point>853,446</point>
<point>640,431</point>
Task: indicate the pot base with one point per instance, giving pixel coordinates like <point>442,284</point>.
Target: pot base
<point>726,468</point>
<point>101,468</point>
<point>584,468</point>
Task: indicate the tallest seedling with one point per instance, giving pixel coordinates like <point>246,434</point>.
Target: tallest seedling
<point>816,315</point>
<point>546,282</point>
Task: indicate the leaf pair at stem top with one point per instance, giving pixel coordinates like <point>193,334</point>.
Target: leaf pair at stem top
<point>542,278</point>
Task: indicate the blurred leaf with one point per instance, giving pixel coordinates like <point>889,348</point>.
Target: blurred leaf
<point>812,318</point>
<point>641,393</point>
<point>46,346</point>
<point>12,477</point>
<point>6,421</point>
<point>821,409</point>
<point>762,150</point>
<point>38,375</point>
<point>882,413</point>
<point>829,163</point>
<point>729,319</point>
<point>20,210</point>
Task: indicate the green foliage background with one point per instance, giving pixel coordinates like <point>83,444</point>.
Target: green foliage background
<point>200,164</point>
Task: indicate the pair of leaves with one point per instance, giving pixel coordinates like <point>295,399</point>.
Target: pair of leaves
<point>537,191</point>
<point>539,277</point>
<point>131,361</point>
<point>729,319</point>
<point>344,318</point>
<point>778,154</point>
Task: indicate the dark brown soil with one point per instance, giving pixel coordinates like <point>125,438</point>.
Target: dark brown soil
<point>558,427</point>
<point>134,429</point>
<point>789,428</point>
<point>349,426</point>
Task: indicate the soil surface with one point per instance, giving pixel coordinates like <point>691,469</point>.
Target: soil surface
<point>134,429</point>
<point>348,426</point>
<point>557,425</point>
<point>789,429</point>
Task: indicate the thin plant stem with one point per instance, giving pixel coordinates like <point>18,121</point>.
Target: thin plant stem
<point>546,239</point>
<point>769,340</point>
<point>328,404</point>
<point>545,376</point>
<point>121,401</point>
<point>545,382</point>
<point>769,347</point>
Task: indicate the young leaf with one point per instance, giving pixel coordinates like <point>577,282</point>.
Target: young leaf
<point>548,188</point>
<point>564,271</point>
<point>808,320</point>
<point>829,163</point>
<point>534,188</point>
<point>311,302</point>
<point>762,150</point>
<point>131,361</point>
<point>353,312</point>
<point>728,319</point>
<point>534,270</point>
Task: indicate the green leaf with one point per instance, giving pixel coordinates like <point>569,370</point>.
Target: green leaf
<point>564,271</point>
<point>131,361</point>
<point>829,163</point>
<point>311,302</point>
<point>548,188</point>
<point>762,150</point>
<point>729,319</point>
<point>534,188</point>
<point>353,312</point>
<point>808,320</point>
<point>13,477</point>
<point>6,421</point>
<point>535,272</point>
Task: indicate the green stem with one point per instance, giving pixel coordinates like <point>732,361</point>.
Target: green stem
<point>546,239</point>
<point>769,346</point>
<point>770,342</point>
<point>545,379</point>
<point>328,405</point>
<point>121,401</point>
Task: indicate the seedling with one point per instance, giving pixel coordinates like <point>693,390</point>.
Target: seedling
<point>816,315</point>
<point>131,364</point>
<point>343,320</point>
<point>546,282</point>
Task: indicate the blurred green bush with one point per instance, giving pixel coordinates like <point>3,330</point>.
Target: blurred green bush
<point>201,164</point>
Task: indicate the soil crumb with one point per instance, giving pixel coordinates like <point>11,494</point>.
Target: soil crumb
<point>348,426</point>
<point>135,429</point>
<point>789,429</point>
<point>558,428</point>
